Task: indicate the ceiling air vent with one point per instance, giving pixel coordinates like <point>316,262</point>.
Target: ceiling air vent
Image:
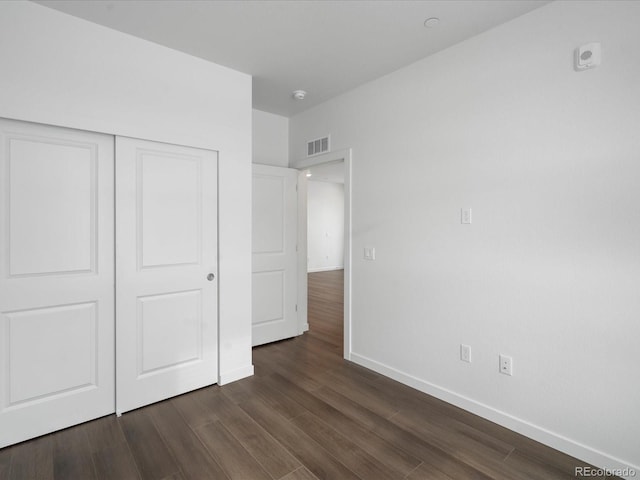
<point>316,147</point>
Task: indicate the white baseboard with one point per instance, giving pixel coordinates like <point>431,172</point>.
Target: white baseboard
<point>237,374</point>
<point>542,435</point>
<point>324,269</point>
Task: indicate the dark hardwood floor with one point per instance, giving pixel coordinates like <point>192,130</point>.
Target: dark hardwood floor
<point>306,414</point>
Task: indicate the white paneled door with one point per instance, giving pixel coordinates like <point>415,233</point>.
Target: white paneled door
<point>56,279</point>
<point>166,271</point>
<point>274,259</point>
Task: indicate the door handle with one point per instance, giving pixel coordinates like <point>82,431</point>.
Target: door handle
<point>210,277</point>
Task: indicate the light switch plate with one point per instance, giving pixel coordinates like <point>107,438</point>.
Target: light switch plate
<point>369,253</point>
<point>465,216</point>
<point>465,353</point>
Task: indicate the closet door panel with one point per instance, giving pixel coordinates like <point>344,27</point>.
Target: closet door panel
<point>167,256</point>
<point>56,279</point>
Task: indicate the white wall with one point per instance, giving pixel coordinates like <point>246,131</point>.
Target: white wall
<point>270,139</point>
<point>549,271</point>
<point>325,226</point>
<point>60,70</point>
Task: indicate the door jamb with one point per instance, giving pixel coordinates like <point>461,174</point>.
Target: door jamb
<point>338,155</point>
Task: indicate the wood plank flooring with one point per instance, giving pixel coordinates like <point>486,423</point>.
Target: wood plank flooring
<point>307,414</point>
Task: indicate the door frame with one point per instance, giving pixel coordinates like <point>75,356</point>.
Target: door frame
<point>330,157</point>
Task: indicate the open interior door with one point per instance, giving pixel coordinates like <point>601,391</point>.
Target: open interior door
<point>274,259</point>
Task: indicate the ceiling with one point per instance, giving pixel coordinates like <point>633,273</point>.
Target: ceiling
<point>325,47</point>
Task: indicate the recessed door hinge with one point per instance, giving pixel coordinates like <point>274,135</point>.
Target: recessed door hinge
<point>296,307</point>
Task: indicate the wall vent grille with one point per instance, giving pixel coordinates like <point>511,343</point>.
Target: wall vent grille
<point>316,147</point>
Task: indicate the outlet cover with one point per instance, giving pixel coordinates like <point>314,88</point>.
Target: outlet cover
<point>506,365</point>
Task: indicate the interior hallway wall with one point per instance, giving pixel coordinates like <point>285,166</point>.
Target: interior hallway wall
<point>270,139</point>
<point>325,226</point>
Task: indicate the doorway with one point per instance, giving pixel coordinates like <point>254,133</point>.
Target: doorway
<point>325,253</point>
<point>324,165</point>
<point>325,217</point>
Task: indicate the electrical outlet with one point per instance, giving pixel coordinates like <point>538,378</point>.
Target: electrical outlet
<point>465,353</point>
<point>506,364</point>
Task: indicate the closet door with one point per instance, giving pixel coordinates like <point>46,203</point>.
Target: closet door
<point>166,267</point>
<point>56,279</point>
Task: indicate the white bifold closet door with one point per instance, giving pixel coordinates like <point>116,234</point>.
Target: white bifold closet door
<point>56,279</point>
<point>166,271</point>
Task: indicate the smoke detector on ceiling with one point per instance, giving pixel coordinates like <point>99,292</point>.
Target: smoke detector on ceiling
<point>299,94</point>
<point>432,22</point>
